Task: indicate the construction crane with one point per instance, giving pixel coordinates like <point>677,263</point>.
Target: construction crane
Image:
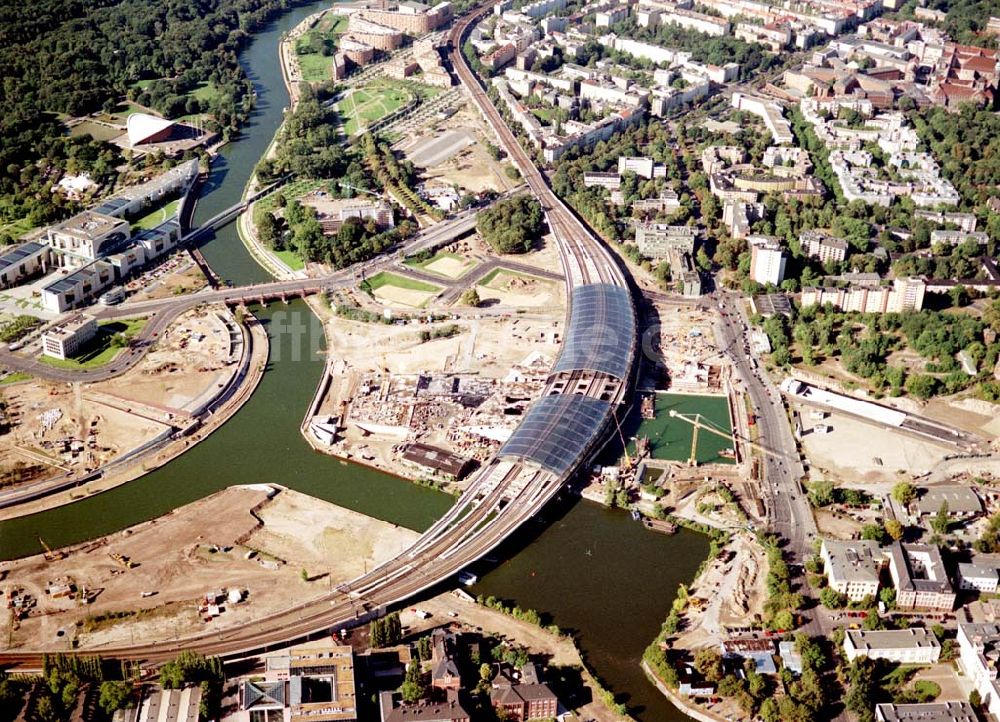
<point>50,556</point>
<point>697,423</point>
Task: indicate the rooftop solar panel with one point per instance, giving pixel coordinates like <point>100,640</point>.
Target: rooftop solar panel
<point>19,253</point>
<point>601,333</point>
<point>557,430</point>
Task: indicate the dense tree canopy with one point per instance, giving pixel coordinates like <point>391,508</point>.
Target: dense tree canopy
<point>73,57</point>
<point>512,225</point>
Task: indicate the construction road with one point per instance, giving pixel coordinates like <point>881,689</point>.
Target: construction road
<point>506,492</point>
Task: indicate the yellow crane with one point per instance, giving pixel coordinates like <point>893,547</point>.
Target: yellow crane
<point>697,423</point>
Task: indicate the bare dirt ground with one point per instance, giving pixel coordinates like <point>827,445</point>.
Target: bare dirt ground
<point>450,267</point>
<point>143,463</point>
<point>509,288</point>
<point>57,428</point>
<point>837,526</point>
<point>190,360</point>
<point>487,347</point>
<point>544,255</point>
<point>196,549</point>
<point>472,169</point>
<point>397,296</point>
<point>850,452</point>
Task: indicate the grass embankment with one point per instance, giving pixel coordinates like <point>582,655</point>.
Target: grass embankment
<point>317,67</point>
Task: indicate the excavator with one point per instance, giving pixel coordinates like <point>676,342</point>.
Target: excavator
<point>49,554</point>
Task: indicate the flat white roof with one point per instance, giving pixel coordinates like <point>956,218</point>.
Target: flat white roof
<point>847,404</point>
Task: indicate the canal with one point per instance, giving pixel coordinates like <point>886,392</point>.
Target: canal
<point>591,570</point>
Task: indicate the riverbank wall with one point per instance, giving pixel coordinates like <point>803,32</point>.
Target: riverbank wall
<point>156,452</point>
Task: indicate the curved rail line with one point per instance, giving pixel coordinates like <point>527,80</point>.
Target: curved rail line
<point>506,492</point>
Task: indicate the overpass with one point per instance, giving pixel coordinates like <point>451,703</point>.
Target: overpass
<point>560,432</point>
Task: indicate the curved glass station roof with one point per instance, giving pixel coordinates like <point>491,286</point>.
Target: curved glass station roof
<point>601,333</point>
<point>557,430</point>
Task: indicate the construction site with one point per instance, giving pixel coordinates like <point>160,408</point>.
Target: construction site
<point>220,561</point>
<point>53,429</point>
<point>458,387</point>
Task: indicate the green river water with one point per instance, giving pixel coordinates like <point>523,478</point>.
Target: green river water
<point>588,569</point>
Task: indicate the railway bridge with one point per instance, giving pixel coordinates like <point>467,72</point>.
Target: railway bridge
<point>560,432</point>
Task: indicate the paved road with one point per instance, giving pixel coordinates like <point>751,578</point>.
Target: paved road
<point>789,510</point>
<point>500,498</point>
<point>165,310</point>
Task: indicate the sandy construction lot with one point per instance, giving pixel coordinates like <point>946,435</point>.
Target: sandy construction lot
<point>450,267</point>
<point>396,296</point>
<point>199,548</point>
<point>58,428</point>
<point>190,362</point>
<point>470,168</point>
<point>851,451</point>
<point>510,288</point>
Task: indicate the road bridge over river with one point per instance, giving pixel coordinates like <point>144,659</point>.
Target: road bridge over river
<point>560,432</point>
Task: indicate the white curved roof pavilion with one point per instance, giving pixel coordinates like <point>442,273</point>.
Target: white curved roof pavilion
<point>142,127</point>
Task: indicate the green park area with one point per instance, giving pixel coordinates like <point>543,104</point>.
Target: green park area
<point>315,48</point>
<point>393,288</point>
<point>160,215</point>
<point>670,438</point>
<point>363,106</point>
<point>112,337</point>
<point>97,131</point>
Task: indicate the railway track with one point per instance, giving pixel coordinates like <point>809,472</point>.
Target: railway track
<point>508,491</point>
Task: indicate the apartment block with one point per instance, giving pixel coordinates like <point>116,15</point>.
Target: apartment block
<point>823,246</point>
<point>919,576</point>
<point>852,567</point>
<point>657,240</point>
<point>767,259</point>
<point>905,294</point>
<point>770,112</point>
<point>915,645</point>
<point>979,652</point>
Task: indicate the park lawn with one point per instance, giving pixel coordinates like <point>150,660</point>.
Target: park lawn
<point>160,215</point>
<point>290,259</point>
<point>391,279</point>
<point>97,131</point>
<point>205,92</point>
<point>18,228</point>
<point>295,189</point>
<point>332,25</point>
<point>372,103</point>
<point>123,111</point>
<point>316,67</point>
<point>546,115</point>
<point>100,351</point>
